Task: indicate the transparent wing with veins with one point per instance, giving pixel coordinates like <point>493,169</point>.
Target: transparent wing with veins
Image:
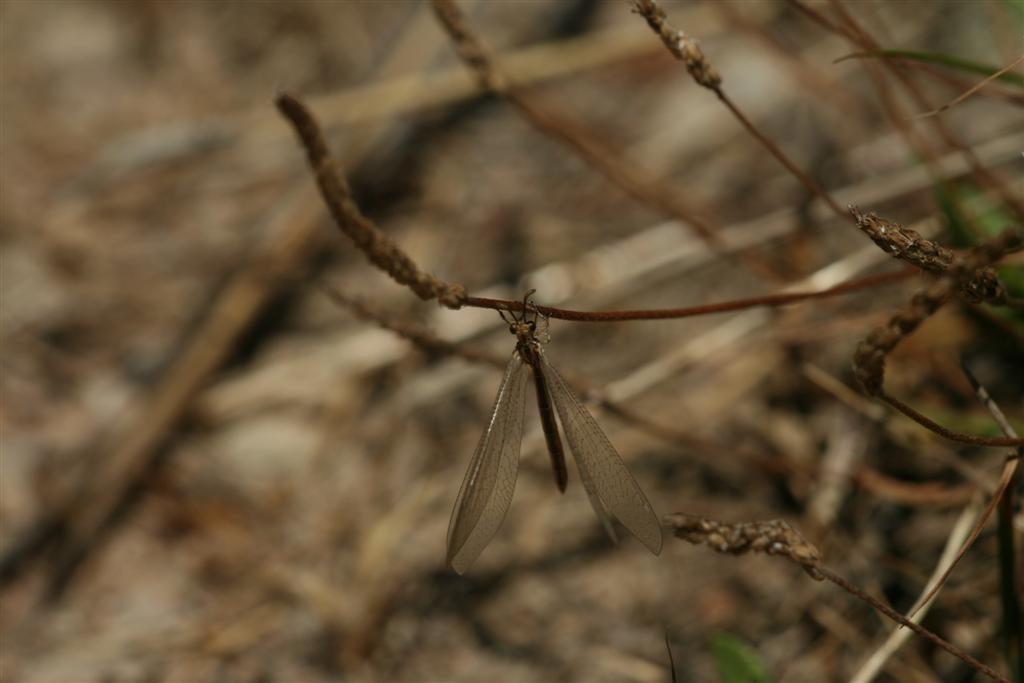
<point>611,488</point>
<point>491,479</point>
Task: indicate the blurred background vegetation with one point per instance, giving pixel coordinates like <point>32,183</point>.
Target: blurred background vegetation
<point>211,472</point>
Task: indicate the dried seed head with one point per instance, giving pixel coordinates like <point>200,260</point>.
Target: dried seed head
<point>773,537</point>
<point>686,49</point>
<point>976,281</point>
<point>904,243</point>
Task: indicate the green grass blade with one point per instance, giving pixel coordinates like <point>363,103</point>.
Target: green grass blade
<point>735,662</point>
<point>949,61</point>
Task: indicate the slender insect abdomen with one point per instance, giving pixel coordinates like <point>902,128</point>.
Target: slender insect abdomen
<point>547,421</point>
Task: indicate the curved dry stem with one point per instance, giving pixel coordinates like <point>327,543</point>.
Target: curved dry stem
<point>858,35</point>
<point>776,537</point>
<point>634,181</point>
<point>974,280</point>
<point>931,637</point>
<point>389,257</point>
<point>933,426</point>
<point>770,300</point>
<point>382,251</point>
<point>687,50</point>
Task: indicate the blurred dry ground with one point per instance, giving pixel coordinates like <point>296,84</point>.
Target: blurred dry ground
<point>291,525</point>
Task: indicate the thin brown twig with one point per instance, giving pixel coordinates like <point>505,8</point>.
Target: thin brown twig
<point>952,649</point>
<point>389,257</point>
<point>979,284</point>
<point>779,155</point>
<point>924,493</point>
<point>891,105</point>
<point>782,299</point>
<point>903,243</point>
<point>1009,469</point>
<point>772,537</point>
<point>862,38</point>
<point>986,400</point>
<point>676,437</point>
<point>896,639</point>
<point>1009,561</point>
<point>809,76</point>
<point>904,493</point>
<point>953,81</point>
<point>970,91</point>
<point>378,247</point>
<point>820,19</point>
<point>776,537</point>
<point>1002,488</point>
<point>950,434</point>
<point>428,342</point>
<point>687,50</point>
<point>870,356</point>
<point>419,336</point>
<point>634,181</point>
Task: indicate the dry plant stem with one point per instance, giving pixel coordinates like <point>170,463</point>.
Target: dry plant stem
<point>903,493</point>
<point>773,537</point>
<point>900,121</point>
<point>820,19</point>
<point>874,664</point>
<point>962,275</point>
<point>395,95</point>
<point>986,87</point>
<point>1008,195</point>
<point>688,51</point>
<point>931,425</point>
<point>388,256</point>
<point>776,537</point>
<point>771,300</point>
<point>471,51</point>
<point>808,76</point>
<point>912,494</point>
<point>878,484</point>
<point>429,342</point>
<point>378,247</point>
<point>980,284</point>
<point>382,251</point>
<point>419,336</point>
<point>853,590</point>
<point>1010,582</point>
<point>969,88</point>
<point>970,91</point>
<point>633,181</point>
<point>862,38</point>
<point>903,243</point>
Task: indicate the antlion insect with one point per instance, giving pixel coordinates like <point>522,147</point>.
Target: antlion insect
<point>487,489</point>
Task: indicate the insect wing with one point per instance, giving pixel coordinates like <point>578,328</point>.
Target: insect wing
<point>611,488</point>
<point>487,489</point>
